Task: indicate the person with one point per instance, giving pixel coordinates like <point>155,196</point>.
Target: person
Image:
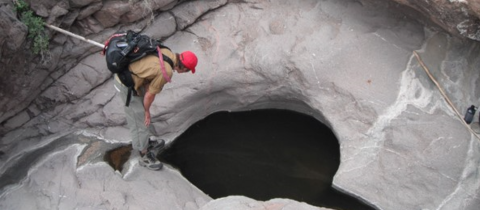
<point>149,80</point>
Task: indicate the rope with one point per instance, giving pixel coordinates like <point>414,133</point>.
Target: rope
<point>444,95</point>
<point>162,64</point>
<point>75,35</point>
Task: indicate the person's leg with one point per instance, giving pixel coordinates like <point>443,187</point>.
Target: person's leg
<point>135,116</point>
<point>139,132</point>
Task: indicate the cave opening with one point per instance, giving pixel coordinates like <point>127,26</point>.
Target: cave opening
<point>262,154</point>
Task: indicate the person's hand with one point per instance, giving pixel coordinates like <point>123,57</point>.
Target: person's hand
<point>147,119</point>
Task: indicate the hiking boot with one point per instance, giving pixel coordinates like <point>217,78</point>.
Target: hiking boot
<point>150,161</point>
<point>155,145</point>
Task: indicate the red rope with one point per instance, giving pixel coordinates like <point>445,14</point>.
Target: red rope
<point>162,64</point>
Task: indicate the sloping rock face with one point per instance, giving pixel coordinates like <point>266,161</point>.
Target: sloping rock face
<point>25,76</point>
<point>402,146</point>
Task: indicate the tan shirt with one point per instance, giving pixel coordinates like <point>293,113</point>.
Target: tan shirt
<point>147,71</point>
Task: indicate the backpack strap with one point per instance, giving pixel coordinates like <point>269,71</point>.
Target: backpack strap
<point>126,79</point>
<point>168,60</point>
<point>162,65</point>
<point>129,96</point>
<point>130,86</point>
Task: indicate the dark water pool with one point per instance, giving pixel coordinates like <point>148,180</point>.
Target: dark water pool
<point>262,154</point>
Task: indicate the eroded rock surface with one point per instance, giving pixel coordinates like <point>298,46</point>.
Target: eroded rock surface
<point>458,17</point>
<point>402,146</point>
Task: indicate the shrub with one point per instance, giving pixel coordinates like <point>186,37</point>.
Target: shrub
<point>35,25</point>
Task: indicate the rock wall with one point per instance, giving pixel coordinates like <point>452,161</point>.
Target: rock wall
<point>402,146</point>
<point>458,17</point>
<point>25,77</point>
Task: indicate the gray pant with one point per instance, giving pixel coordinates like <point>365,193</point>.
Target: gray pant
<point>135,115</point>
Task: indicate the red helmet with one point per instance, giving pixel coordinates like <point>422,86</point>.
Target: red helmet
<point>189,60</point>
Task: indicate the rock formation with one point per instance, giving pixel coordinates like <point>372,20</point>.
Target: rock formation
<point>348,63</point>
<point>458,17</point>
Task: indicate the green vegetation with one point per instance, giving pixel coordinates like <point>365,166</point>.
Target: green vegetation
<point>35,25</point>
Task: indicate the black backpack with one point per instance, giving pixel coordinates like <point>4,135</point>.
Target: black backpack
<point>123,48</point>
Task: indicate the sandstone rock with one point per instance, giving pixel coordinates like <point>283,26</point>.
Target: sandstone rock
<point>186,14</point>
<point>13,32</point>
<point>78,81</point>
<point>352,68</point>
<point>163,26</point>
<point>42,7</point>
<point>455,16</point>
<point>240,202</point>
<point>474,6</point>
<point>20,89</point>
<point>82,3</point>
<point>89,25</point>
<point>111,12</point>
<point>141,9</point>
<point>97,185</point>
<point>18,120</point>
<point>61,9</point>
<point>90,10</point>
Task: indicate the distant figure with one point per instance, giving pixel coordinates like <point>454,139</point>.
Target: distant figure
<point>149,79</point>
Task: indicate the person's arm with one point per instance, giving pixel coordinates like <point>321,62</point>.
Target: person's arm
<point>147,102</point>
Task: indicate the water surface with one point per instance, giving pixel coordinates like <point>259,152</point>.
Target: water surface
<point>262,154</point>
